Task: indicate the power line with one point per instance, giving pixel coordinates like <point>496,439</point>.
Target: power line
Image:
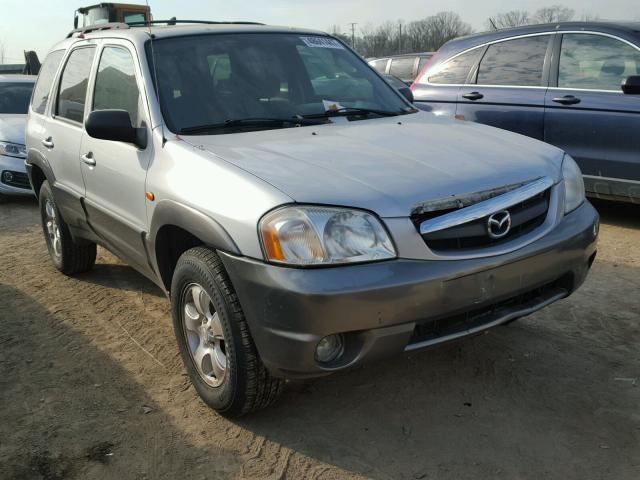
<point>353,34</point>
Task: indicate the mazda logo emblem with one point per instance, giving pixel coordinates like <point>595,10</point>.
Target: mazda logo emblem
<point>499,224</point>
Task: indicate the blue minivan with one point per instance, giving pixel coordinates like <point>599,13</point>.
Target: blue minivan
<point>575,85</point>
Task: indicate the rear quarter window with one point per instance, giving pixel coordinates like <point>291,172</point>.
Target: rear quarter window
<point>44,84</point>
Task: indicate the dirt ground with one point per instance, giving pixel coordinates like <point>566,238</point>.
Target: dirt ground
<point>91,386</point>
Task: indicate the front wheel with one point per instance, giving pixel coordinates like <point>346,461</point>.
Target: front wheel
<point>214,340</point>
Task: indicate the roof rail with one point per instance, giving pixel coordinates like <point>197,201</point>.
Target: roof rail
<point>174,21</point>
<point>97,28</point>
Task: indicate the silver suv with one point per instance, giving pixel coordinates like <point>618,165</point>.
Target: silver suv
<point>300,214</point>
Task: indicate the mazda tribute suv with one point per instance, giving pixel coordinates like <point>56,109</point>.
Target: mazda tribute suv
<point>302,216</point>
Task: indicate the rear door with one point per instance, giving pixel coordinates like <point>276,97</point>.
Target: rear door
<point>62,133</point>
<point>507,90</point>
<point>589,116</point>
<point>436,90</point>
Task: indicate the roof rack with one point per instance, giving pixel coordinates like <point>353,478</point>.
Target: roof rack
<point>170,22</point>
<point>175,21</point>
<point>97,28</point>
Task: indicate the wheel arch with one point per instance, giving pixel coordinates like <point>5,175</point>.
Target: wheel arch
<point>38,170</point>
<point>176,228</point>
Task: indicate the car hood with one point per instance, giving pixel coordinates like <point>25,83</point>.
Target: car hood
<point>12,128</point>
<point>387,165</point>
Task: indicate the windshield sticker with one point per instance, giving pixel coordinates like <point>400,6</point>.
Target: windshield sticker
<point>322,42</point>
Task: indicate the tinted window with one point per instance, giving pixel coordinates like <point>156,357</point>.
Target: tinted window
<point>73,84</point>
<point>596,62</point>
<point>422,63</point>
<point>14,97</point>
<point>402,68</point>
<point>45,80</point>
<point>515,62</point>
<point>457,70</point>
<point>133,17</point>
<point>116,86</point>
<point>380,65</point>
<point>209,79</point>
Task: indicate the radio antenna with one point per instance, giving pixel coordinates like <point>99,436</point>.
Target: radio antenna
<point>155,71</point>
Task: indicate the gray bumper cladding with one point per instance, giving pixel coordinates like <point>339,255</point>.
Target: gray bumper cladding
<point>389,307</point>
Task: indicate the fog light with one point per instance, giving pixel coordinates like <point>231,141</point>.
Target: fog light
<point>329,348</point>
<point>7,177</point>
<point>596,228</point>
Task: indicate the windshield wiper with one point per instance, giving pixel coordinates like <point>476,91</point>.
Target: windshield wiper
<point>346,111</point>
<point>248,122</point>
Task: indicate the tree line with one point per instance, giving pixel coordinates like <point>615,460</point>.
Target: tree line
<point>429,34</point>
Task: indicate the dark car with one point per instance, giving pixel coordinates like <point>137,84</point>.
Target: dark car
<point>405,67</point>
<point>575,85</point>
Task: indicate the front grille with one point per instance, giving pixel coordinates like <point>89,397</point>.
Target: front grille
<point>431,331</point>
<point>15,179</point>
<point>526,216</point>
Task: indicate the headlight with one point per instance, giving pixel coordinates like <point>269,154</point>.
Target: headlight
<point>13,150</point>
<point>308,235</point>
<point>573,184</point>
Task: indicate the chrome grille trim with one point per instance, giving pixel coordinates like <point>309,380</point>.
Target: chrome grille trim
<point>486,207</point>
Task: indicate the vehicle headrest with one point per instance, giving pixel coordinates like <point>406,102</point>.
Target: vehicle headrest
<point>614,68</point>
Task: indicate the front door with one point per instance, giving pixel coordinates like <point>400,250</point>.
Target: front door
<point>115,172</point>
<point>509,87</point>
<point>589,116</point>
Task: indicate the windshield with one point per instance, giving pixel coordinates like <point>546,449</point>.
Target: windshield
<point>220,79</point>
<point>15,97</point>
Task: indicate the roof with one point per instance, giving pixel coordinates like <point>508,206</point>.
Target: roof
<point>140,34</point>
<point>18,78</point>
<point>624,29</point>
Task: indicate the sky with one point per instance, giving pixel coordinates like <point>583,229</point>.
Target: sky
<point>38,24</point>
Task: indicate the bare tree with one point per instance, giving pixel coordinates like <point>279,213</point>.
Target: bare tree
<point>553,14</point>
<point>514,18</point>
<point>421,35</point>
<point>3,51</point>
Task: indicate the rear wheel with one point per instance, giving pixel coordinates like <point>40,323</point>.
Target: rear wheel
<point>67,255</point>
<point>214,339</point>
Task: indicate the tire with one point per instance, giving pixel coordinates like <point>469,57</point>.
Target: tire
<point>222,362</point>
<point>3,199</point>
<point>67,255</point>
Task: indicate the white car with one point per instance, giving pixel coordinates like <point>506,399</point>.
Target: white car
<point>15,93</point>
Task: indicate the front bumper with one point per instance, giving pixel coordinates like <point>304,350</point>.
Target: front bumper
<point>390,307</point>
<point>18,170</point>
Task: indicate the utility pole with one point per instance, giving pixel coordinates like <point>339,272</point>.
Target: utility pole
<point>400,39</point>
<point>353,34</point>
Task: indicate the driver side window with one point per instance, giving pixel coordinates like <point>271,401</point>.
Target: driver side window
<point>116,86</point>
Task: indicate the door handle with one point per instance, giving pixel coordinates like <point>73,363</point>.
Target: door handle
<point>88,159</point>
<point>473,96</point>
<point>567,100</point>
<point>48,142</point>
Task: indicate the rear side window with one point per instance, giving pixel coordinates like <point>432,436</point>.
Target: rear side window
<point>422,63</point>
<point>380,65</point>
<point>116,86</point>
<point>73,84</point>
<point>596,62</point>
<point>517,62</point>
<point>456,70</point>
<point>45,80</point>
<point>402,68</point>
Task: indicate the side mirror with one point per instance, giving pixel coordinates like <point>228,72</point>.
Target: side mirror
<point>399,85</point>
<point>631,85</point>
<point>115,125</point>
